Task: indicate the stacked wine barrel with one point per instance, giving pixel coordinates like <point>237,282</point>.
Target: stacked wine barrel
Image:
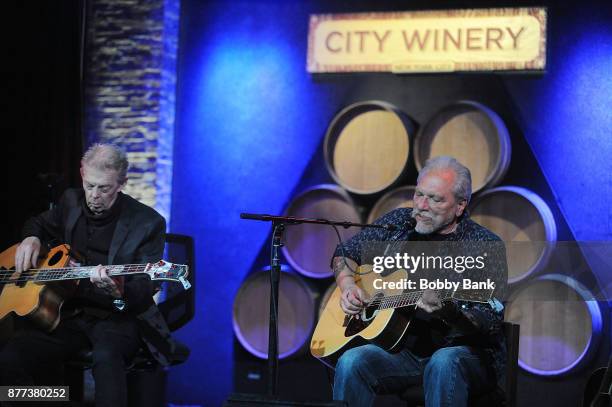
<point>371,149</point>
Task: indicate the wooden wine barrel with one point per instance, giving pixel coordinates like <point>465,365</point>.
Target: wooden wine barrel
<point>396,198</point>
<point>473,134</point>
<point>296,313</point>
<point>367,146</point>
<point>561,324</point>
<point>518,215</point>
<point>309,248</point>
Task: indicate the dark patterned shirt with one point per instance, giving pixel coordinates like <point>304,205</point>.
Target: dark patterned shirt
<point>486,318</point>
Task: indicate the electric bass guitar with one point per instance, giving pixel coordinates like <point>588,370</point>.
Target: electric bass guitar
<point>39,293</point>
<point>381,321</point>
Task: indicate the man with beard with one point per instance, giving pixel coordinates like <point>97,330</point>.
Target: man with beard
<point>110,316</point>
<point>459,350</point>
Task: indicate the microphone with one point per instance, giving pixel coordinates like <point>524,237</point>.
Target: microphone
<point>409,225</point>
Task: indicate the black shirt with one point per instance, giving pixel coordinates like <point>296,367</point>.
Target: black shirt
<point>92,238</point>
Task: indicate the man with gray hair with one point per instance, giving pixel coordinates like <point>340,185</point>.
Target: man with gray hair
<point>457,345</point>
<point>107,315</point>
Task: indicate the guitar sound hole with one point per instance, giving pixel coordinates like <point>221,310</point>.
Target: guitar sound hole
<point>56,257</point>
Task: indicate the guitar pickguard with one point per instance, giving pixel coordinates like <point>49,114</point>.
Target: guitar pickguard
<point>355,325</point>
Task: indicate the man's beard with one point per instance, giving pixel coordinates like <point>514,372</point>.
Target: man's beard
<point>435,224</point>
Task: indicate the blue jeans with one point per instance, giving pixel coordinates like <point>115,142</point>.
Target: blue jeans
<point>447,376</point>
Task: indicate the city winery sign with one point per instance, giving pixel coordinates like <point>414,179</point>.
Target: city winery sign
<point>504,39</point>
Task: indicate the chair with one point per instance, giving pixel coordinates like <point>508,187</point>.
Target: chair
<point>177,307</point>
<point>415,396</point>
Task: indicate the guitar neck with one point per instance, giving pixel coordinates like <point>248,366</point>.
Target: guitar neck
<point>69,273</point>
<point>407,299</point>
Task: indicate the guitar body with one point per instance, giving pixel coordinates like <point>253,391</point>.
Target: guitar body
<point>39,301</point>
<point>39,294</point>
<point>336,332</point>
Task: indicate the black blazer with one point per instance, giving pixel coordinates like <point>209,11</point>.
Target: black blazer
<point>138,238</point>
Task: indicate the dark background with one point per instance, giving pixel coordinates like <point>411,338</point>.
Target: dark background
<point>42,119</point>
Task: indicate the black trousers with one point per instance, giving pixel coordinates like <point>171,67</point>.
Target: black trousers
<point>34,357</point>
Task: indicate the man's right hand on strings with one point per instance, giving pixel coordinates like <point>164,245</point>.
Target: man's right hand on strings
<point>353,300</point>
<point>27,253</point>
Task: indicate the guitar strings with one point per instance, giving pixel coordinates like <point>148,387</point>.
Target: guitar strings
<point>52,278</point>
<point>398,298</point>
<point>59,272</point>
<point>392,301</point>
<point>76,268</point>
<point>49,279</point>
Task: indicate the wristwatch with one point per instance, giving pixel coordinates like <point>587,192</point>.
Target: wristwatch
<point>119,304</point>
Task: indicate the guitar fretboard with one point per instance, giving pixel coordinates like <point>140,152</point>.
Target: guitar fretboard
<point>406,299</point>
<point>68,273</point>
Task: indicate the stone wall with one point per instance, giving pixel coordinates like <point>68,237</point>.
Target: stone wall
<point>130,78</point>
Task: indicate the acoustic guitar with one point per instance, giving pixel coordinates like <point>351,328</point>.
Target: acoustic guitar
<point>39,293</point>
<point>380,322</point>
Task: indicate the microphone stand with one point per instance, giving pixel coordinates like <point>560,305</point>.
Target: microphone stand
<point>278,228</point>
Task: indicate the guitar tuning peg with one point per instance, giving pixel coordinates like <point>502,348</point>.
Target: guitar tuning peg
<point>186,284</point>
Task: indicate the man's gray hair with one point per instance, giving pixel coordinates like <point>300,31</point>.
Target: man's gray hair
<point>463,181</point>
<point>107,157</point>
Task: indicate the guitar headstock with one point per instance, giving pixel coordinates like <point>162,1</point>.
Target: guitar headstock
<point>164,270</point>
